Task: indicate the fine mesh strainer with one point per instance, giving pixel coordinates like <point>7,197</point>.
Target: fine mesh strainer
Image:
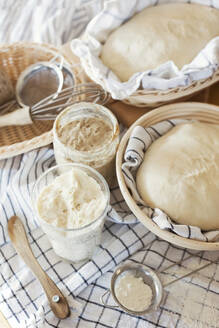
<point>150,277</point>
<point>37,82</point>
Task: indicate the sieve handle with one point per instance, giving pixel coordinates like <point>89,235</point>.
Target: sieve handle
<point>105,302</point>
<point>20,116</point>
<point>188,274</point>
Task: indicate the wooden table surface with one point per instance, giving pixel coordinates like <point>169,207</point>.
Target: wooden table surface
<point>210,96</point>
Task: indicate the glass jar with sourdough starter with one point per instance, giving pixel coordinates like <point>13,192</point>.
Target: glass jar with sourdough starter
<point>87,133</point>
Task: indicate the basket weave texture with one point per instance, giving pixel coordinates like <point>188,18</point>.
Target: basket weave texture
<point>14,59</point>
<point>150,99</point>
<point>155,98</point>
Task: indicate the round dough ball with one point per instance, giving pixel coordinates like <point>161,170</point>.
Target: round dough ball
<point>157,34</point>
<point>180,175</point>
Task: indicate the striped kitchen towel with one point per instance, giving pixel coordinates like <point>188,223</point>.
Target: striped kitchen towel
<point>141,138</point>
<point>22,299</point>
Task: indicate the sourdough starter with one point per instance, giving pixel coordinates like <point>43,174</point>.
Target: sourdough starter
<point>87,133</point>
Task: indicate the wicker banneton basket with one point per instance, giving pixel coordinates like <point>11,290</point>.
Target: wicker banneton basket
<point>14,59</point>
<point>198,111</point>
<point>150,99</point>
<point>155,98</point>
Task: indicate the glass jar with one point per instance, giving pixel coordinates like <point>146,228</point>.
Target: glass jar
<point>74,244</point>
<point>87,133</point>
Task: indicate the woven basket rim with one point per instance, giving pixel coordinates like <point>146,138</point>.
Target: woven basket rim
<point>195,110</point>
<point>152,98</point>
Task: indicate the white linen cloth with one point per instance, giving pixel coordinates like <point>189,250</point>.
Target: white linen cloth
<point>140,140</point>
<point>163,77</point>
<point>22,300</point>
<point>55,22</point>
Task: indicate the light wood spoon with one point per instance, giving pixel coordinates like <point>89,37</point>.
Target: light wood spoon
<point>18,237</point>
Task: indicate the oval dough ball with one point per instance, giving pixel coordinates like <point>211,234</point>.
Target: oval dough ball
<point>180,175</point>
<point>158,34</point>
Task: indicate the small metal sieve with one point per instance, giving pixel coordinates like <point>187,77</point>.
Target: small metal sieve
<point>37,82</point>
<point>150,278</point>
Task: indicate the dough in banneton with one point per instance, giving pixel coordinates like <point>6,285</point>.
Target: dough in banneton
<point>180,175</point>
<point>157,34</point>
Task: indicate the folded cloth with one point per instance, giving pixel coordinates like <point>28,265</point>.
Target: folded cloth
<point>166,76</point>
<point>141,138</point>
<point>22,299</point>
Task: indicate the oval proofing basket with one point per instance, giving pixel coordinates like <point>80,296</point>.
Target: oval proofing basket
<point>197,111</point>
<point>155,98</point>
<point>150,99</point>
<point>14,58</point>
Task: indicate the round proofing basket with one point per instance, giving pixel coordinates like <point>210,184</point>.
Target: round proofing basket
<point>14,58</point>
<point>196,111</point>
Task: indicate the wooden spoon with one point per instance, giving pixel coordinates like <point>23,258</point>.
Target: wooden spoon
<point>18,237</point>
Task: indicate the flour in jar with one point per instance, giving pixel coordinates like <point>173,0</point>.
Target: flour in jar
<point>133,293</point>
<point>72,200</point>
<point>86,134</point>
<point>71,209</point>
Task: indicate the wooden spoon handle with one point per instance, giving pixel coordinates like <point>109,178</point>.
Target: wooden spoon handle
<point>20,116</point>
<point>19,239</point>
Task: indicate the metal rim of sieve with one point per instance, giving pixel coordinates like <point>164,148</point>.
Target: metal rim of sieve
<point>30,71</point>
<point>67,74</point>
<point>149,277</point>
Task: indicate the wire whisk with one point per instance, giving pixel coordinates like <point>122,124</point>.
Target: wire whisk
<point>49,107</point>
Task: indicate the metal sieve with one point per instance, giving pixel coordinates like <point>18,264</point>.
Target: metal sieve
<point>37,82</point>
<point>150,277</point>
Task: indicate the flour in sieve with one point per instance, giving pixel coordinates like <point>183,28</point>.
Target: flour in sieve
<point>133,293</point>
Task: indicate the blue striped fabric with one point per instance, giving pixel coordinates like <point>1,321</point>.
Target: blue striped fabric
<point>22,299</point>
<point>18,176</point>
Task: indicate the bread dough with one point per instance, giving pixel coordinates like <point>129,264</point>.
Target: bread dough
<point>180,175</point>
<point>158,34</point>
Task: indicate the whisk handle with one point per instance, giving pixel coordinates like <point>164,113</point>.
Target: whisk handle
<point>20,116</point>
